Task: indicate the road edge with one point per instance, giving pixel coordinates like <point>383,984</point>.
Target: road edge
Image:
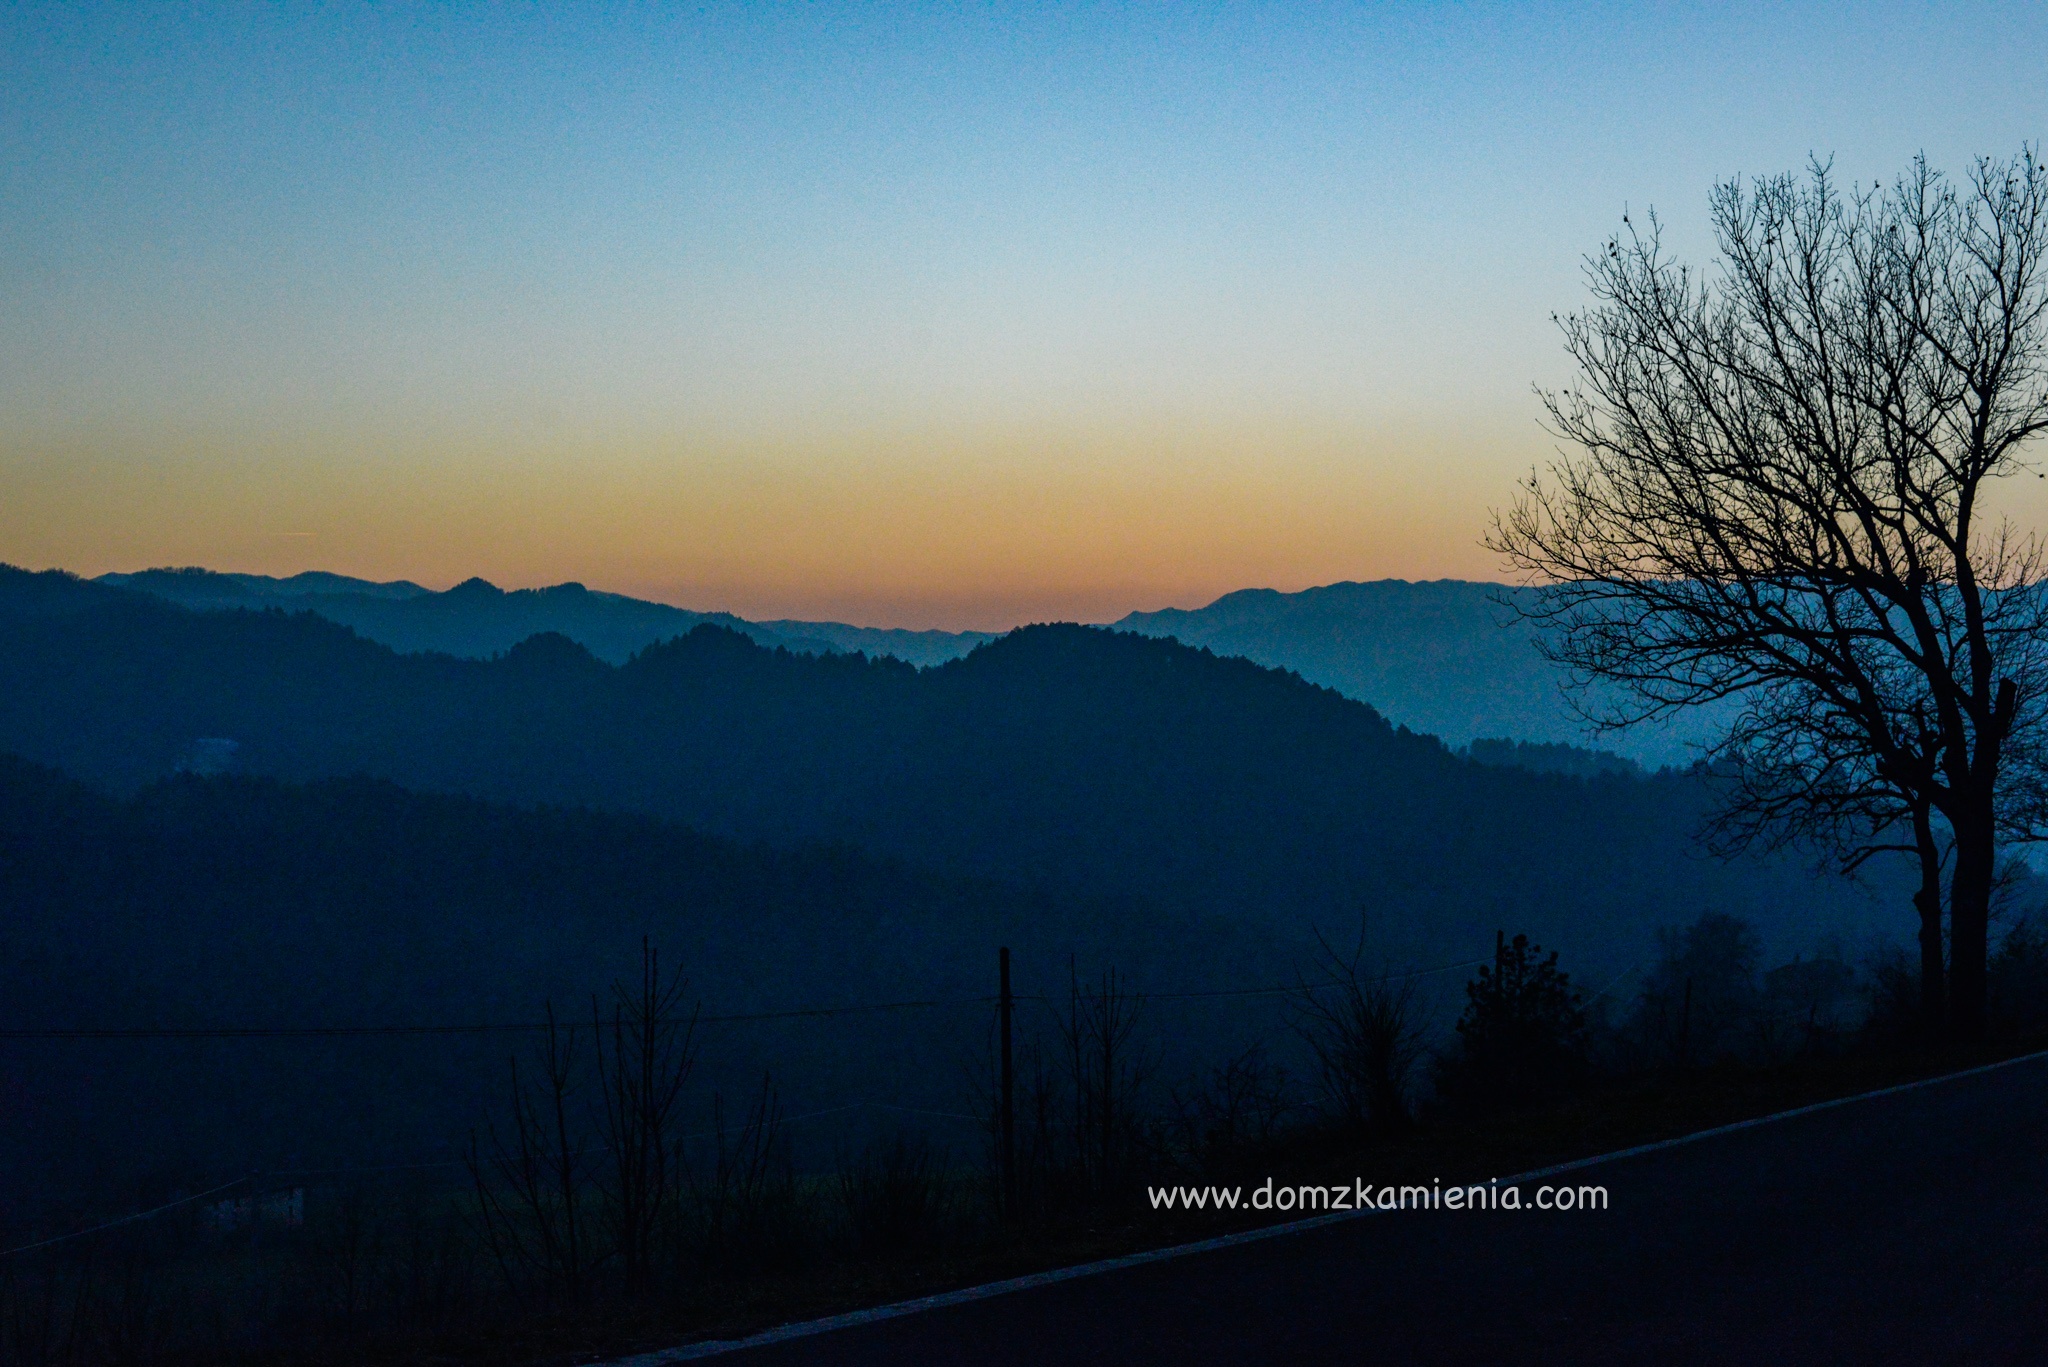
<point>987,1290</point>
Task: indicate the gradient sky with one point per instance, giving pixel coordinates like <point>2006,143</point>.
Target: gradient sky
<point>910,315</point>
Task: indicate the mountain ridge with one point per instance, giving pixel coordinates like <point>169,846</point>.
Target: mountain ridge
<point>1449,657</point>
<point>477,618</point>
<point>1101,761</point>
<point>1456,658</point>
<point>244,902</point>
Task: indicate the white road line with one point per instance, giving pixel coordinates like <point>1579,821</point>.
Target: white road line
<point>805,1329</point>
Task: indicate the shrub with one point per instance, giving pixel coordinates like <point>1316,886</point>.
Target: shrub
<point>1230,1111</point>
<point>1523,1036</point>
<point>2019,978</point>
<point>1701,1004</point>
<point>1806,1004</point>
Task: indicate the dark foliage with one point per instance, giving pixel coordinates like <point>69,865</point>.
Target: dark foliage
<point>1808,1005</point>
<point>1523,1035</point>
<point>1574,760</point>
<point>1098,761</point>
<point>245,902</point>
<point>1700,1003</point>
<point>2019,977</point>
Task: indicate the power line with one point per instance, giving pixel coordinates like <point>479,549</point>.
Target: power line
<point>124,1220</point>
<point>726,1018</point>
<point>502,1028</point>
<point>918,1110</point>
<point>776,1124</point>
<point>1615,981</point>
<point>1305,987</point>
<point>799,1013</point>
<point>772,1125</point>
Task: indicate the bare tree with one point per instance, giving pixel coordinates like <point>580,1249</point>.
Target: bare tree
<point>1231,1109</point>
<point>640,1078</point>
<point>1780,492</point>
<point>1105,1070</point>
<point>1795,774</point>
<point>529,1191</point>
<point>1365,1031</point>
<point>745,1199</point>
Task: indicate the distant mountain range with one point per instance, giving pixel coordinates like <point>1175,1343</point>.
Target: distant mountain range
<point>264,818</point>
<point>476,619</point>
<point>1448,658</point>
<point>1102,762</point>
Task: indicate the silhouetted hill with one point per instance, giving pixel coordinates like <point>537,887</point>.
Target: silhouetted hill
<point>1109,763</point>
<point>1448,657</point>
<point>1550,758</point>
<point>478,619</point>
<point>194,587</point>
<point>243,902</point>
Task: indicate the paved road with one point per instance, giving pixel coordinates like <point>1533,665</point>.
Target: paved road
<point>1911,1228</point>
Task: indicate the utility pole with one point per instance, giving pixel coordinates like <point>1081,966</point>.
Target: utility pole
<point>1009,1103</point>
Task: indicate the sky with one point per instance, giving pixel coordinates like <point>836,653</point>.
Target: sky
<point>956,316</point>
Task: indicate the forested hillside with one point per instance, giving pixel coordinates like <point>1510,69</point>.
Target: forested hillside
<point>237,902</point>
<point>1103,763</point>
<point>1446,656</point>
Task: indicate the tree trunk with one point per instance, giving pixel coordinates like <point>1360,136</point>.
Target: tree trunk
<point>1933,973</point>
<point>1933,996</point>
<point>1969,923</point>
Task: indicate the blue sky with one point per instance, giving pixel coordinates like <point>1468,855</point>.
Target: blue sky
<point>920,315</point>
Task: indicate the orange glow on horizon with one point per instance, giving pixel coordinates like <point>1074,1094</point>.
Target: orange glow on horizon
<point>952,530</point>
